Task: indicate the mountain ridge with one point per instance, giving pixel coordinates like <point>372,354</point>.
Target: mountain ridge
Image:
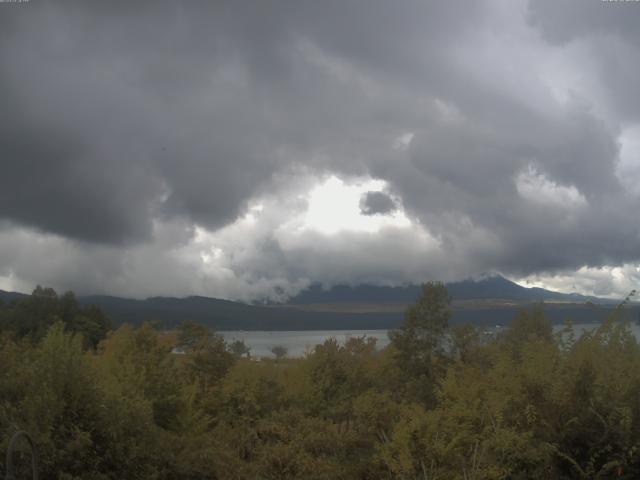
<point>487,287</point>
<point>487,301</point>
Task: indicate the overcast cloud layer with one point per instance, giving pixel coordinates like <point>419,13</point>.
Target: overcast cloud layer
<point>173,148</point>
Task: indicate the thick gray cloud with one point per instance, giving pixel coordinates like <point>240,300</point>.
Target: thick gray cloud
<point>564,20</point>
<point>131,126</point>
<point>372,203</point>
<point>608,31</point>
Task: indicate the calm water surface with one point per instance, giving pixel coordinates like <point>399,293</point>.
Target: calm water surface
<point>299,342</point>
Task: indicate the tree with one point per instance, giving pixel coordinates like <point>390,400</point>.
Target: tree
<point>528,325</point>
<point>279,351</point>
<point>419,341</point>
<point>239,349</point>
<point>464,339</point>
<point>207,354</point>
<point>32,316</point>
<point>192,334</point>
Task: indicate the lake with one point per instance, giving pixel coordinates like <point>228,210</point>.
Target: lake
<point>298,342</point>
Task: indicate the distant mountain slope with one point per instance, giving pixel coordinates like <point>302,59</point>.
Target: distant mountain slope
<point>8,296</point>
<point>489,287</point>
<point>228,315</point>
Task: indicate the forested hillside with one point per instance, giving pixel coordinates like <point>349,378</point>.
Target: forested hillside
<point>483,303</point>
<point>440,402</point>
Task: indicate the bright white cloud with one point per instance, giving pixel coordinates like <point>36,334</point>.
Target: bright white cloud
<point>607,281</point>
<point>334,206</point>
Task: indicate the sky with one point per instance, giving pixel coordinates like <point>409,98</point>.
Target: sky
<point>245,150</point>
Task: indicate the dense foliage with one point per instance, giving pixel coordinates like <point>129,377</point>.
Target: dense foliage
<point>438,403</point>
<point>33,315</point>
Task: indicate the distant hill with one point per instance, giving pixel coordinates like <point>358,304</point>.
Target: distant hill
<point>228,315</point>
<point>8,296</point>
<point>487,287</point>
<point>487,301</point>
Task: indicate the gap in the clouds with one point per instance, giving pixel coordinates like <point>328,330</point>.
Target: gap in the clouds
<point>335,206</point>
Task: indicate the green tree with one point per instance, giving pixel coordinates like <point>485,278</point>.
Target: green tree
<point>239,349</point>
<point>279,351</point>
<point>464,341</point>
<point>32,316</point>
<point>527,325</point>
<point>419,342</point>
<point>208,358</point>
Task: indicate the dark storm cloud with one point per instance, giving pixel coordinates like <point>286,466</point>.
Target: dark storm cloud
<point>121,113</point>
<point>116,106</point>
<point>372,203</point>
<point>121,118</point>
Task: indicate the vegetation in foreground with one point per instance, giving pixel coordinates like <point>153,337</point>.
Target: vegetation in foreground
<point>438,403</point>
